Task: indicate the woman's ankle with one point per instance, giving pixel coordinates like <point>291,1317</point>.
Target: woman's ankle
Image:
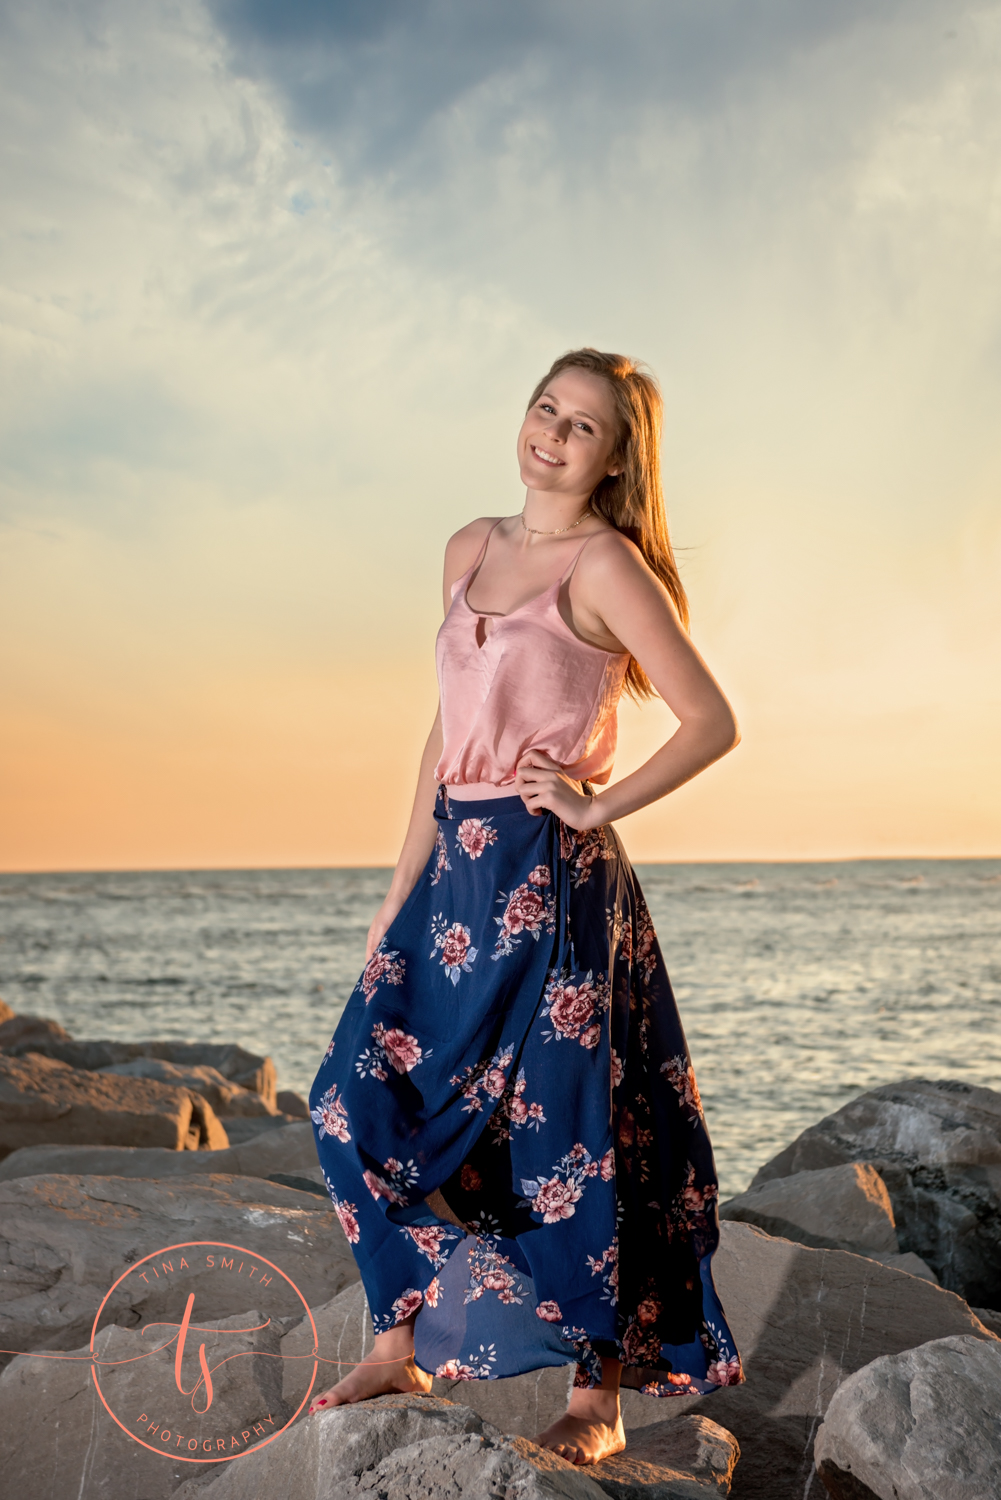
<point>596,1404</point>
<point>395,1344</point>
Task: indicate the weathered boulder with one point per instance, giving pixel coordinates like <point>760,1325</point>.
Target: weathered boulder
<point>244,1128</point>
<point>306,1179</point>
<point>290,1150</point>
<point>224,1097</point>
<point>804,1320</point>
<point>65,1240</point>
<point>836,1208</point>
<point>690,1458</point>
<point>403,1447</point>
<point>909,1262</point>
<point>45,1101</point>
<point>937,1146</point>
<point>6,1014</point>
<point>234,1063</point>
<point>922,1425</point>
<point>212,1134</point>
<point>991,1318</point>
<point>16,1030</point>
<point>57,1439</point>
<point>290,1103</point>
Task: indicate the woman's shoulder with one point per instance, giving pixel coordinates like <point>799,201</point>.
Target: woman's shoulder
<point>475,530</point>
<point>607,552</point>
<point>610,567</point>
<point>463,545</point>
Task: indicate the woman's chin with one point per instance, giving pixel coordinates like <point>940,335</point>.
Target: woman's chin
<point>534,476</point>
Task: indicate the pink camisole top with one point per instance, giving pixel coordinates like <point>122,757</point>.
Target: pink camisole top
<point>531,685</point>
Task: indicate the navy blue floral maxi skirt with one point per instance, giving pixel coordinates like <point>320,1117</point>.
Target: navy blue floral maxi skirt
<point>514,1047</point>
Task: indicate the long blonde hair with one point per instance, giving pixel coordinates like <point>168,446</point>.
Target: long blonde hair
<point>633,500</point>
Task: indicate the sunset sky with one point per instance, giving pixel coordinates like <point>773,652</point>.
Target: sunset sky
<point>276,280</point>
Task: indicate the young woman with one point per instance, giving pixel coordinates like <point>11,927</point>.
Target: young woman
<point>507,1116</point>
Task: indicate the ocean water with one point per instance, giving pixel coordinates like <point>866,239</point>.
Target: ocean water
<point>800,985</point>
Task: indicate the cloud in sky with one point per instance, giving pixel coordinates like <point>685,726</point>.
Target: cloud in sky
<point>274,283</point>
<point>384,83</point>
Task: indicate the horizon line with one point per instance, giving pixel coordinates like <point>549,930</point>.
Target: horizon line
<point>807,859</point>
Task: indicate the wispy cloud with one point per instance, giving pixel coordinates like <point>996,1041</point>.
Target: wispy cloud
<point>383,82</point>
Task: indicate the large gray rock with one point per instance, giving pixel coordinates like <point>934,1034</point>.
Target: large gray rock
<point>16,1031</point>
<point>937,1146</point>
<point>244,1128</point>
<point>291,1103</point>
<point>690,1458</point>
<point>475,1466</point>
<point>65,1240</point>
<point>833,1208</point>
<point>224,1097</point>
<point>804,1321</point>
<point>909,1262</point>
<point>234,1063</point>
<point>288,1150</point>
<point>990,1318</point>
<point>398,1448</point>
<point>923,1425</point>
<point>57,1439</point>
<point>43,1101</point>
<point>212,1135</point>
<point>836,1208</point>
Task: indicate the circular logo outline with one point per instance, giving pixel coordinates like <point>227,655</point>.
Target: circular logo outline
<point>166,1452</point>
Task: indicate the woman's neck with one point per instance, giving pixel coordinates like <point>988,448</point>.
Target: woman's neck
<point>548,512</point>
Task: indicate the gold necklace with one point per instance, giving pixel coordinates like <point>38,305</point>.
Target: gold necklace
<point>560,529</point>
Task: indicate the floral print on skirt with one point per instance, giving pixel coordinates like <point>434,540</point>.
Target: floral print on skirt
<point>514,1047</point>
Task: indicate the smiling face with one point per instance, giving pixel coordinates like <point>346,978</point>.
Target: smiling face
<point>568,438</point>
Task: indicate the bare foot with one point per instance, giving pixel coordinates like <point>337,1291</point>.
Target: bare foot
<point>584,1440</point>
<point>379,1374</point>
<point>374,1377</point>
<point>592,1427</point>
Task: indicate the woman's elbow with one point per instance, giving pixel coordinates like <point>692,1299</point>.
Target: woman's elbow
<point>727,732</point>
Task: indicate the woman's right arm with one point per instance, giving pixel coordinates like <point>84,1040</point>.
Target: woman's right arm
<point>460,554</point>
<point>417,845</point>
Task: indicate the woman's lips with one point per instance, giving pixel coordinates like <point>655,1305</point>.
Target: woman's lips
<point>546,457</point>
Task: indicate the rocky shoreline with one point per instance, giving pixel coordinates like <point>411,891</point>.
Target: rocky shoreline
<point>861,1273</point>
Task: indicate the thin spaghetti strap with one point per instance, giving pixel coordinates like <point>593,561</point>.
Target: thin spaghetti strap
<point>566,577</point>
<point>486,540</point>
